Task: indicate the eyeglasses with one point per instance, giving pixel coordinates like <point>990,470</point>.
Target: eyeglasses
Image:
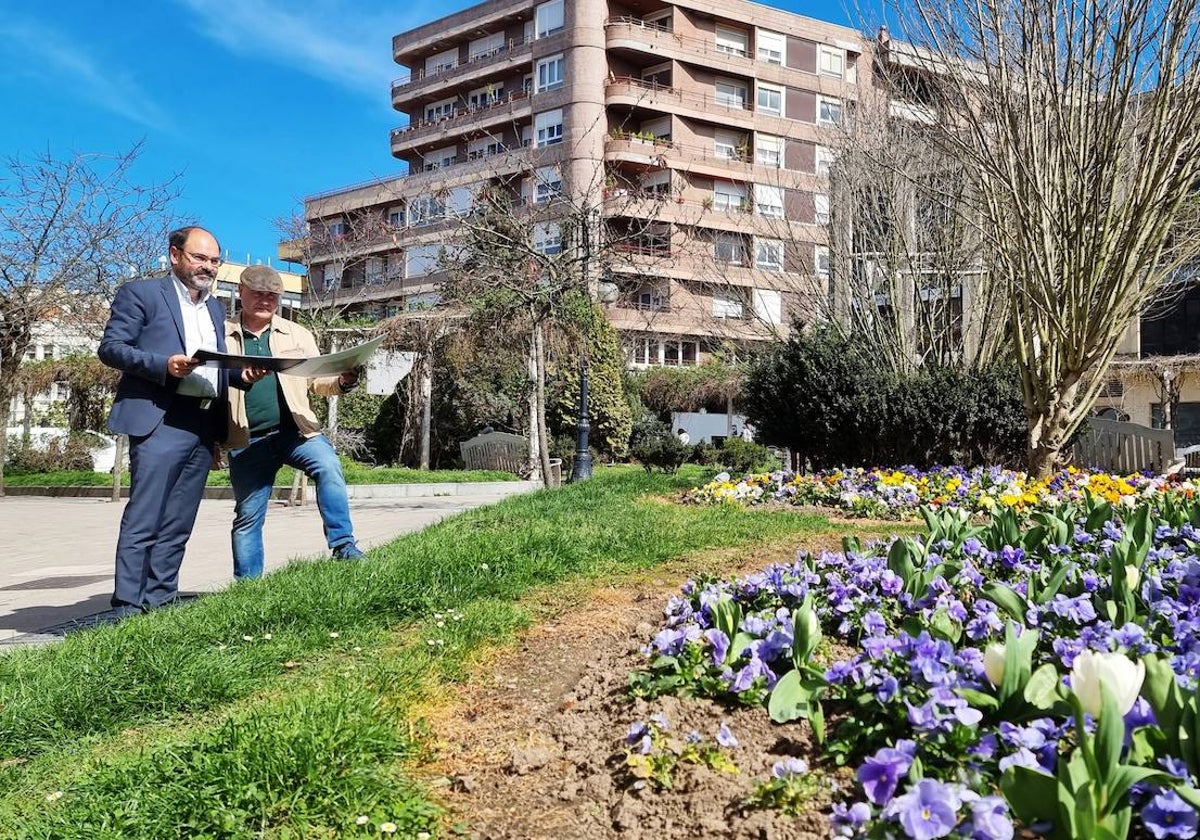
<point>203,259</point>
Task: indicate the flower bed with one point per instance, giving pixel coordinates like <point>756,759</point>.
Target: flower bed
<point>985,679</point>
<point>900,493</point>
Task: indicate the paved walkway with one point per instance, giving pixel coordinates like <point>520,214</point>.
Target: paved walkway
<point>56,554</point>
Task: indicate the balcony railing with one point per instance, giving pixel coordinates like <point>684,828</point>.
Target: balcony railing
<point>651,90</point>
<point>480,59</point>
<point>643,306</point>
<point>460,115</point>
<point>704,46</point>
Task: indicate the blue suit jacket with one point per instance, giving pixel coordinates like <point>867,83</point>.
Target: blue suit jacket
<point>145,328</point>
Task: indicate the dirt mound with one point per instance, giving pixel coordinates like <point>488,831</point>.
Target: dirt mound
<point>532,747</point>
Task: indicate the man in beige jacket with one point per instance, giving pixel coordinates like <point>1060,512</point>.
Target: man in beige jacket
<point>272,424</point>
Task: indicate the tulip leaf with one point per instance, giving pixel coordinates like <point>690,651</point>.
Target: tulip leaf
<point>1042,690</point>
<point>1006,599</point>
<point>1189,795</point>
<point>1126,776</point>
<point>726,616</point>
<point>789,699</point>
<point>1032,794</point>
<point>978,699</point>
<point>1109,737</point>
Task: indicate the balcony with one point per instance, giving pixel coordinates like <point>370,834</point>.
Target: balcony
<point>420,82</point>
<point>630,33</point>
<point>508,108</point>
<point>703,105</point>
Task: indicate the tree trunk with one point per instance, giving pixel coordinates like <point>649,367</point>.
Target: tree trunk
<point>1049,432</point>
<point>426,407</point>
<point>531,371</point>
<point>544,450</point>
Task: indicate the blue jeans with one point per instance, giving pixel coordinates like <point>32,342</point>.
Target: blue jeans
<point>252,473</point>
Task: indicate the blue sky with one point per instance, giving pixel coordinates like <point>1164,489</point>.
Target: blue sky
<point>256,103</point>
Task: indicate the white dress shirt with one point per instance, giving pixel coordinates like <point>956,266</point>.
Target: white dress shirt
<point>198,332</point>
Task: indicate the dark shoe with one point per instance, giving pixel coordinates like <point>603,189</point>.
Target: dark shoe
<point>349,551</point>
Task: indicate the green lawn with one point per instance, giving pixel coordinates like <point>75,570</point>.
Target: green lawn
<point>279,708</point>
<point>355,474</point>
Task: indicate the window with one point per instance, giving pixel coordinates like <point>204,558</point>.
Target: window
<point>768,254</point>
<point>825,158</point>
<point>725,305</point>
<point>549,18</point>
<point>821,261</point>
<point>728,195</point>
<point>548,128</point>
<point>425,209</point>
<point>549,183</point>
<point>336,230</point>
<point>768,201</point>
<point>438,158</point>
<point>732,94</point>
<point>374,271</point>
<point>547,238</point>
<point>441,62</point>
<point>330,275</point>
<point>726,144</point>
<point>728,248</point>
<point>649,301</point>
<point>768,306</point>
<point>731,41</point>
<point>486,46</point>
<point>656,183</point>
<point>484,147</point>
<point>420,260</point>
<point>440,110</point>
<point>821,208</point>
<point>485,96</point>
<point>460,202</point>
<point>679,352</point>
<point>770,99</point>
<point>395,217</point>
<point>831,62</point>
<point>829,110</point>
<point>550,74</point>
<point>771,46</point>
<point>768,150</point>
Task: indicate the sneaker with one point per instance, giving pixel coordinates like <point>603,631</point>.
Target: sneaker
<point>349,551</point>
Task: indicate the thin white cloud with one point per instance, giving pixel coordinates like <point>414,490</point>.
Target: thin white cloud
<point>337,41</point>
<point>50,55</point>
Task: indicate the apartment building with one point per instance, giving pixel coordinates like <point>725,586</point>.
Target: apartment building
<point>688,132</point>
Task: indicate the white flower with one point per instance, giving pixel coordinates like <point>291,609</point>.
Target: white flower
<point>362,820</point>
<point>483,566</point>
<point>268,636</point>
<point>247,638</point>
<point>1132,576</point>
<point>721,478</point>
<point>334,635</point>
<point>1116,672</point>
<point>388,827</point>
<point>51,797</point>
<point>993,663</point>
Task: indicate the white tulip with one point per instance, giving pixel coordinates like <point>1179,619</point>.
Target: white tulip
<point>993,663</point>
<point>1132,577</point>
<point>1122,677</point>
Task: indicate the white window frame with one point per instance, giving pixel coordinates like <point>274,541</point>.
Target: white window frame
<point>731,41</point>
<point>821,208</point>
<point>549,18</point>
<point>547,238</point>
<point>821,261</point>
<point>768,254</point>
<point>725,144</point>
<point>421,260</point>
<point>484,147</point>
<point>768,306</point>
<point>548,128</point>
<point>731,243</point>
<point>769,93</point>
<point>726,305</point>
<point>831,62</point>
<point>734,95</point>
<point>439,158</point>
<point>425,209</point>
<point>486,46</point>
<point>441,110</point>
<point>485,97</point>
<point>441,62</point>
<point>550,73</point>
<point>548,183</point>
<point>825,158</point>
<point>768,201</point>
<point>729,195</point>
<point>829,110</point>
<point>768,151</point>
<point>771,46</point>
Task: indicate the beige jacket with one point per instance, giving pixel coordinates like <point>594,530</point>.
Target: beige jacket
<point>291,340</point>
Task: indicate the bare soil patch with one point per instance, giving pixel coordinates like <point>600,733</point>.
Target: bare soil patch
<point>531,746</point>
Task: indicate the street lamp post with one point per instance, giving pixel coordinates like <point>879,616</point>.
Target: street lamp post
<point>581,469</point>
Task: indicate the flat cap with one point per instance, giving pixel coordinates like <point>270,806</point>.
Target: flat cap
<point>261,278</point>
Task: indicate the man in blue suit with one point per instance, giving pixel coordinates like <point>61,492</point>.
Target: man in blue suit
<point>172,408</point>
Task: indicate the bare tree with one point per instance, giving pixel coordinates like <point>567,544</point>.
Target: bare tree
<point>1077,126</point>
<point>70,230</point>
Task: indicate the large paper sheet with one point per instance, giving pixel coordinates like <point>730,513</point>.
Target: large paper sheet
<point>327,365</point>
